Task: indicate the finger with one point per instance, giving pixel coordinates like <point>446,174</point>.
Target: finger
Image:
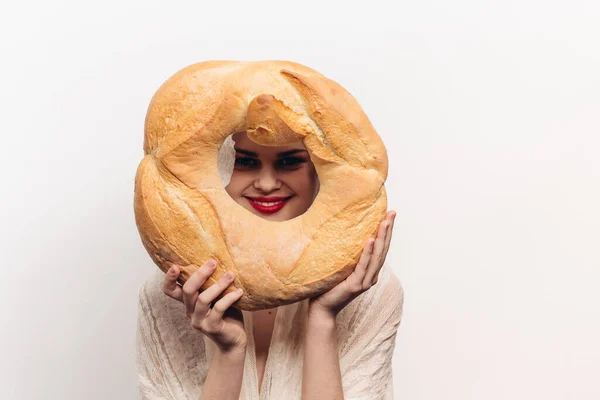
<point>170,286</point>
<point>357,277</point>
<point>374,266</point>
<point>389,217</point>
<point>217,312</point>
<point>388,237</point>
<point>209,295</point>
<point>194,283</point>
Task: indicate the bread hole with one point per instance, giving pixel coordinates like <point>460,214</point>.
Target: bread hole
<point>292,176</point>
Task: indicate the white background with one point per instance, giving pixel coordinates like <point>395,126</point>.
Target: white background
<point>490,111</point>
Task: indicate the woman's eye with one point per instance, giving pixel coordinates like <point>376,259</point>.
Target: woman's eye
<point>290,161</point>
<point>246,162</point>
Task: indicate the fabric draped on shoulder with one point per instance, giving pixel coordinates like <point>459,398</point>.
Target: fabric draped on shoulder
<point>173,358</point>
<point>367,329</point>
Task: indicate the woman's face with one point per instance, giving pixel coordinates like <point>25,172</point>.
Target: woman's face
<point>275,183</point>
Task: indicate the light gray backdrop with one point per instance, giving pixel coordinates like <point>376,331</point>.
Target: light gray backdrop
<point>490,111</point>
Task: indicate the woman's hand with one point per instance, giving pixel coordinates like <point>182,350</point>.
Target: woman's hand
<point>223,324</point>
<point>363,277</point>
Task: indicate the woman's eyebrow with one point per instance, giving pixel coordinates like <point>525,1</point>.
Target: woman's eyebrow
<point>281,154</point>
<point>246,152</point>
<point>289,152</point>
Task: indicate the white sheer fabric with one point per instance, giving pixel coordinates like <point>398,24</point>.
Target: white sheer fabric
<point>173,358</point>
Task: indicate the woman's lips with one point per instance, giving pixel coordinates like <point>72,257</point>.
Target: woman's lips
<point>268,205</point>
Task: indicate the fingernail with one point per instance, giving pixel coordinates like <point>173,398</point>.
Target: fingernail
<point>229,275</point>
<point>239,291</point>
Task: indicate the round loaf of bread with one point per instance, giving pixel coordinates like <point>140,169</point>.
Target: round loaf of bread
<point>185,216</point>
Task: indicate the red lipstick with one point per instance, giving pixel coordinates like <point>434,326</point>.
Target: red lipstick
<point>268,205</point>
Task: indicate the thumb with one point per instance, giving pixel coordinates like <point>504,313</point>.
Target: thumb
<point>170,286</point>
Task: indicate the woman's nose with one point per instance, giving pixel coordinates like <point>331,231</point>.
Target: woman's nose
<point>267,180</point>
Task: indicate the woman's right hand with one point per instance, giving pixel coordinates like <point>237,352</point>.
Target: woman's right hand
<point>223,324</point>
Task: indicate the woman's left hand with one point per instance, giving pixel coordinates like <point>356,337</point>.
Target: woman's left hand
<point>364,276</point>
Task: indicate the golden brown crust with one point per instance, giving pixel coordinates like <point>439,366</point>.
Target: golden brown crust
<point>185,216</point>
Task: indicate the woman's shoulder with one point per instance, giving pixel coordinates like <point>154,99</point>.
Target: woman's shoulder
<point>385,299</point>
<point>393,284</point>
<point>150,291</point>
<point>167,343</point>
<point>387,290</point>
<point>150,286</point>
<point>166,317</point>
<point>165,311</point>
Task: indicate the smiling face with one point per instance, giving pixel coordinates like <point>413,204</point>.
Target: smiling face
<point>275,183</point>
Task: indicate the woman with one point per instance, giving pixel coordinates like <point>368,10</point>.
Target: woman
<point>334,346</point>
